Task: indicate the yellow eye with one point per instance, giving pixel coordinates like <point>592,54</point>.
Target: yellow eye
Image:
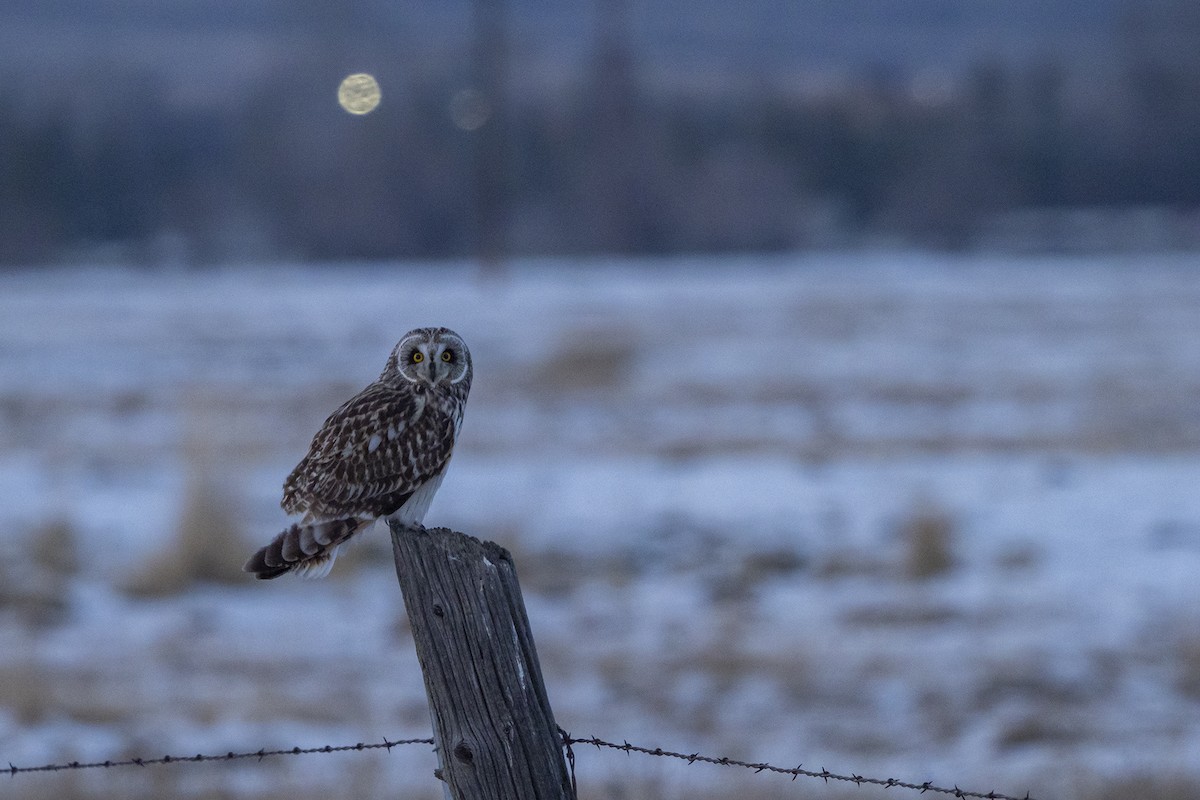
<point>447,356</point>
<point>417,357</point>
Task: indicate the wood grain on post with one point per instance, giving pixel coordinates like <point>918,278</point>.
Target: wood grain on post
<point>495,733</point>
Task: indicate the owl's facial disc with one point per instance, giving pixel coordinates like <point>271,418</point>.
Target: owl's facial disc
<point>432,357</point>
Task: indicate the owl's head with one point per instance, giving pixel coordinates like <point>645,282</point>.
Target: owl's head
<point>431,357</point>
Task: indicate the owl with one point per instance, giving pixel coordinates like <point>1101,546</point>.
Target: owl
<point>383,453</point>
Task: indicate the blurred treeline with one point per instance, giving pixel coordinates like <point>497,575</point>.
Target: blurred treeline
<point>607,160</point>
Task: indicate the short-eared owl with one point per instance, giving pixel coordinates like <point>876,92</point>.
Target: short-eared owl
<point>382,454</point>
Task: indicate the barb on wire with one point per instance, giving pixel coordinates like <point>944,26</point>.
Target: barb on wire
<point>567,742</point>
<point>230,756</point>
<point>795,772</point>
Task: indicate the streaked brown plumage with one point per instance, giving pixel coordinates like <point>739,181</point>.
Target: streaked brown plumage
<point>383,453</point>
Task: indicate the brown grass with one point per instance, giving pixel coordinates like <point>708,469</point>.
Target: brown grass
<point>587,362</point>
<point>1040,730</point>
<point>928,536</point>
<point>1187,667</point>
<point>33,585</point>
<point>25,692</point>
<point>849,562</point>
<point>1142,787</point>
<point>53,548</point>
<point>901,616</point>
<point>207,546</point>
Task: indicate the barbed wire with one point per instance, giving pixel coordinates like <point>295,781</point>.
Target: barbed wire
<point>567,741</point>
<point>14,770</point>
<point>795,772</point>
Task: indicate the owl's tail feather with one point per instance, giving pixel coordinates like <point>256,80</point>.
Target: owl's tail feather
<point>308,549</point>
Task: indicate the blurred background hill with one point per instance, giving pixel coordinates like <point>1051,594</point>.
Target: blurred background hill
<point>196,132</point>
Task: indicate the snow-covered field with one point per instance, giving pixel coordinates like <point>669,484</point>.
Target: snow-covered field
<point>898,515</point>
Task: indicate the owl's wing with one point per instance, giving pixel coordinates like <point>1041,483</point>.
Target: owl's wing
<point>371,454</point>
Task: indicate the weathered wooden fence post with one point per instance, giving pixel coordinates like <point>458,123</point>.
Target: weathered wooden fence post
<point>495,733</point>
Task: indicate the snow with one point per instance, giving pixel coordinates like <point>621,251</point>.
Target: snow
<point>709,472</point>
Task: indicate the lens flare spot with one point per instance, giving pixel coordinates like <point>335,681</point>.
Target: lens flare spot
<point>359,93</point>
<point>469,109</point>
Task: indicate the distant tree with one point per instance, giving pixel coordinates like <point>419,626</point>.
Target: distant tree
<point>1160,117</point>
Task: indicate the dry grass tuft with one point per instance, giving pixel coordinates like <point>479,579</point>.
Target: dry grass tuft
<point>928,538</point>
<point>37,604</point>
<point>739,577</point>
<point>602,360</point>
<point>1143,787</point>
<point>207,546</point>
<point>1040,730</point>
<point>902,616</point>
<point>851,562</point>
<point>35,587</point>
<point>1187,667</point>
<point>25,692</point>
<point>53,549</point>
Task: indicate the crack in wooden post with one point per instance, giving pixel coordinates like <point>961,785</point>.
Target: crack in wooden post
<point>496,735</point>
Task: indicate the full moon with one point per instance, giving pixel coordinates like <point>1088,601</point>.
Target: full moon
<point>359,93</point>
